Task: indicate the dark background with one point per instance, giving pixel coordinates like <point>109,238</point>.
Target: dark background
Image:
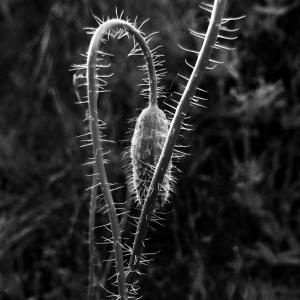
<point>232,229</point>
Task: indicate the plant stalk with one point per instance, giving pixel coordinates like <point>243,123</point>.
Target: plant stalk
<point>91,287</point>
<point>99,168</point>
<point>166,154</point>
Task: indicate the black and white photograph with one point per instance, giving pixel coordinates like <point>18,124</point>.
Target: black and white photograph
<point>150,149</point>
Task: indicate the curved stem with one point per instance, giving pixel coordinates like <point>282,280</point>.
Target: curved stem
<point>99,167</point>
<point>160,170</point>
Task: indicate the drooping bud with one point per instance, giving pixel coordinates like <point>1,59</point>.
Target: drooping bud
<point>147,142</point>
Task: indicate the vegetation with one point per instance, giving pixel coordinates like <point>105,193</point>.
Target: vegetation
<point>232,225</point>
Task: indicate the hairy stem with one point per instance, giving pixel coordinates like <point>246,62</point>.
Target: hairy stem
<point>91,287</point>
<point>99,168</point>
<point>160,170</point>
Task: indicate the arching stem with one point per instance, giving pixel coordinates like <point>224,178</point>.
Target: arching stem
<point>99,168</point>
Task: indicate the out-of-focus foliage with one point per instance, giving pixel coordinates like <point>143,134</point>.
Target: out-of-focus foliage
<point>232,230</point>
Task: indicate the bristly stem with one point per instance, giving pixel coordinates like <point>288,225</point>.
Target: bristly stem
<point>180,114</point>
<point>99,168</point>
<point>91,287</point>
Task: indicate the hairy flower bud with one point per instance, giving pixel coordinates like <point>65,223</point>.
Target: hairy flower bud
<point>147,142</point>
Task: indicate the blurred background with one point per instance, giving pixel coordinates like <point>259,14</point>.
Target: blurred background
<point>232,228</point>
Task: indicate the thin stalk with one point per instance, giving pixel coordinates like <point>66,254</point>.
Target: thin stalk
<point>99,167</point>
<point>91,287</point>
<point>180,114</point>
<point>122,226</point>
